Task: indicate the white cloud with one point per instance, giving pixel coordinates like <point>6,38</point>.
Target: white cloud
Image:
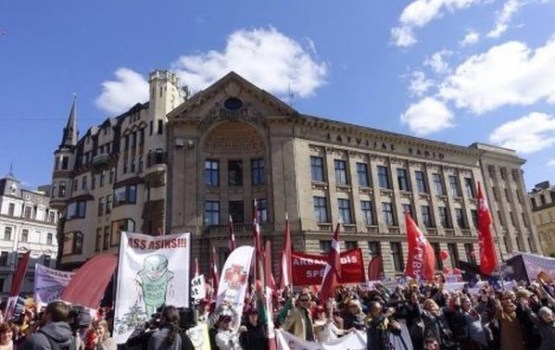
<point>437,62</point>
<point>551,163</point>
<point>427,116</point>
<point>119,95</point>
<point>510,8</point>
<point>265,57</point>
<point>470,38</point>
<point>507,74</point>
<point>531,133</point>
<point>419,84</point>
<point>419,13</point>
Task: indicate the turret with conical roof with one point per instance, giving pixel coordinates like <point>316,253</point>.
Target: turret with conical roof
<point>69,137</point>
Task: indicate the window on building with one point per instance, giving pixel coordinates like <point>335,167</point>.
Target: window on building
<point>27,212</point>
<point>119,226</point>
<point>507,197</point>
<point>258,172</point>
<point>351,245</point>
<point>344,206</point>
<point>8,233</point>
<point>108,203</point>
<point>211,213</point>
<point>317,169</point>
<point>65,163</point>
<point>106,241</point>
<point>469,185</point>
<point>98,241</point>
<point>454,186</point>
<point>341,172</point>
<point>100,206</point>
<point>407,208</point>
<point>84,183</point>
<point>403,179</point>
<point>474,215</point>
<point>76,210</point>
<point>211,172</point>
<point>125,195</point>
<point>101,177</point>
<point>262,210</point>
<point>397,255</point>
<point>368,212</point>
<point>49,238</point>
<point>437,253</point>
<point>46,261</point>
<point>11,209</point>
<point>325,246</point>
<point>383,177</point>
<point>235,172</point>
<point>387,210</point>
<point>52,217</point>
<point>469,252</point>
<point>4,258</point>
<point>160,128</point>
<point>362,175</point>
<point>62,189</point>
<point>112,175</point>
<point>438,185</point>
<point>237,211</point>
<point>453,253</point>
<point>374,249</point>
<point>426,216</point>
<point>444,217</point>
<point>24,235</point>
<point>420,181</point>
<point>461,222</point>
<point>320,210</point>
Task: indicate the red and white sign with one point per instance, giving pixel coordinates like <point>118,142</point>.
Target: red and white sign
<point>308,269</point>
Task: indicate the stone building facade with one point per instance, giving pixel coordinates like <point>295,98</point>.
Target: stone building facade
<point>27,223</point>
<point>113,178</point>
<point>542,201</point>
<point>233,143</point>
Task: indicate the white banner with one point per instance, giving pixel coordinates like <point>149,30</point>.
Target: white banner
<point>198,288</point>
<point>234,281</point>
<point>50,283</point>
<point>152,271</point>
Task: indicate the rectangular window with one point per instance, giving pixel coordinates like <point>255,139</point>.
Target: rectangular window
<point>125,195</point>
<point>437,253</point>
<point>211,172</point>
<point>235,172</point>
<point>11,209</point>
<point>317,169</point>
<point>426,215</point>
<point>374,249</point>
<point>108,203</point>
<point>237,211</point>
<point>397,255</point>
<point>84,182</point>
<point>421,181</point>
<point>106,241</point>
<point>27,212</point>
<point>49,238</point>
<point>258,172</point>
<point>4,258</point>
<point>8,233</point>
<point>46,261</point>
<point>453,253</point>
<point>24,235</point>
<point>100,206</point>
<point>469,185</point>
<point>341,172</point>
<point>262,210</point>
<point>62,189</point>
<point>461,222</point>
<point>345,210</point>
<point>438,185</point>
<point>444,217</point>
<point>65,163</point>
<point>454,186</point>
<point>320,210</point>
<point>112,175</point>
<point>383,177</point>
<point>349,245</point>
<point>160,127</point>
<point>403,179</point>
<point>211,213</point>
<point>387,210</point>
<point>368,212</point>
<point>325,246</point>
<point>362,174</point>
<point>98,242</point>
<point>407,208</point>
<point>52,217</point>
<point>469,252</point>
<point>101,177</point>
<point>474,215</point>
<point>93,181</point>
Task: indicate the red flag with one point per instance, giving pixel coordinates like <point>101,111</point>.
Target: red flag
<point>214,272</point>
<point>421,261</point>
<point>19,274</point>
<point>269,278</point>
<point>488,261</point>
<point>197,272</point>
<point>257,243</point>
<point>375,268</point>
<point>231,243</point>
<point>286,277</point>
<point>332,271</point>
<point>270,285</point>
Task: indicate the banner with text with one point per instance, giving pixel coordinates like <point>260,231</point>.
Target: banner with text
<point>308,269</point>
<point>198,288</point>
<point>152,271</point>
<point>352,341</point>
<point>50,283</point>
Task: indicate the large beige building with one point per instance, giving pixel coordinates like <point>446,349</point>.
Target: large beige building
<point>234,143</point>
<point>542,200</point>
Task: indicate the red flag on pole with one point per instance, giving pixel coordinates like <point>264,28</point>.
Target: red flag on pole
<point>257,243</point>
<point>214,272</point>
<point>421,260</point>
<point>488,260</point>
<point>375,268</point>
<point>19,274</point>
<point>332,270</point>
<point>231,243</point>
<point>286,277</point>
<point>270,285</point>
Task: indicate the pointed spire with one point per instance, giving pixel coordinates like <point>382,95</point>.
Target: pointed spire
<point>10,174</point>
<point>69,137</point>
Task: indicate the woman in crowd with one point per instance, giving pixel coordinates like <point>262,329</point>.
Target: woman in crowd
<point>167,337</point>
<point>99,337</point>
<point>6,336</point>
<point>253,335</point>
<point>326,328</point>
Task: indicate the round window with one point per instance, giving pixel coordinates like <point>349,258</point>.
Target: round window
<point>233,104</point>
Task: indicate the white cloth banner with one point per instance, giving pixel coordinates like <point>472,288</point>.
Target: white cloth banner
<point>50,283</point>
<point>152,271</point>
<point>234,281</point>
<point>198,288</point>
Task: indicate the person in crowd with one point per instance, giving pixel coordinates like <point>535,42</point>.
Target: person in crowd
<point>455,319</point>
<point>6,336</point>
<point>55,332</point>
<point>431,343</point>
<point>299,321</point>
<point>226,337</point>
<point>354,317</point>
<point>253,334</point>
<point>167,337</point>
<point>325,327</point>
<point>380,327</point>
<point>99,337</point>
<point>436,325</point>
<point>477,335</point>
<point>511,336</point>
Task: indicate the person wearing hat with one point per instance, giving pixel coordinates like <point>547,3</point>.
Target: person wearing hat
<point>253,335</point>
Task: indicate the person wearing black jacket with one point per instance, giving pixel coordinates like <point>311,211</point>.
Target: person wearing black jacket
<point>253,333</point>
<point>379,328</point>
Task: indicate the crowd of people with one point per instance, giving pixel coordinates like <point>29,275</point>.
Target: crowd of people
<point>433,317</point>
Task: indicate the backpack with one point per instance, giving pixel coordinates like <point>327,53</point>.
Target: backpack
<point>57,346</point>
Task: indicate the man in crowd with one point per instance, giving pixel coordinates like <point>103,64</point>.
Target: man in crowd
<point>54,332</point>
<point>299,320</point>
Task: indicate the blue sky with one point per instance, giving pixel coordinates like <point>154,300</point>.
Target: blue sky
<point>459,71</point>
